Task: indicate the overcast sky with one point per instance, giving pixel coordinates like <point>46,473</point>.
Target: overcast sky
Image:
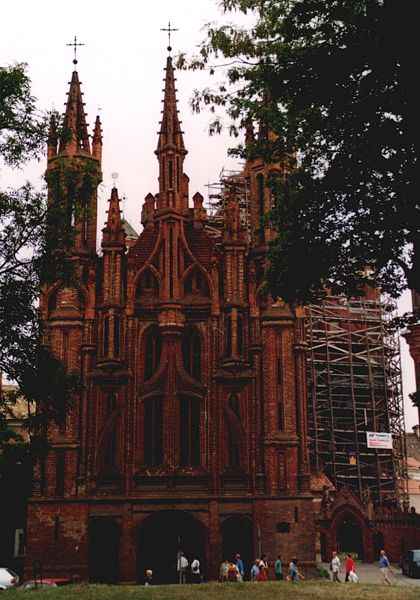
<point>121,69</point>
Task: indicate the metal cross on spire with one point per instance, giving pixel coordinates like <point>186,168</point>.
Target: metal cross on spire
<point>169,30</point>
<point>75,45</point>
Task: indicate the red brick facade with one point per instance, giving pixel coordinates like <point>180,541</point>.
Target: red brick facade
<point>412,336</point>
<point>191,427</point>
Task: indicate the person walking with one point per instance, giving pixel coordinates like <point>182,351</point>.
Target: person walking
<point>278,569</point>
<point>263,574</point>
<point>255,570</point>
<point>223,572</point>
<point>335,567</point>
<point>195,571</point>
<point>385,567</point>
<point>294,574</point>
<point>148,577</point>
<point>233,573</point>
<point>349,566</point>
<point>182,567</point>
<point>240,566</point>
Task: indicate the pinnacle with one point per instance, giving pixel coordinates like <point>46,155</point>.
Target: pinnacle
<point>170,131</point>
<point>113,232</point>
<point>113,222</point>
<point>97,137</point>
<point>75,138</point>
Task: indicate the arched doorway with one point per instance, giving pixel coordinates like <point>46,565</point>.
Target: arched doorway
<point>238,537</point>
<point>350,535</point>
<point>161,536</point>
<point>104,542</point>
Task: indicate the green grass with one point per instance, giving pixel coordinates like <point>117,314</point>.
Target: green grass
<point>308,590</point>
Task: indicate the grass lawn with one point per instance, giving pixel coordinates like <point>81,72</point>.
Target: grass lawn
<point>229,591</point>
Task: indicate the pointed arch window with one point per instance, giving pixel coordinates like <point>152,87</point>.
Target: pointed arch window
<point>274,181</point>
<point>234,448</point>
<point>178,169</point>
<point>228,336</point>
<point>106,337</point>
<point>148,286</point>
<point>111,438</point>
<point>117,335</point>
<point>85,221</point>
<point>152,351</point>
<point>189,431</point>
<point>191,352</point>
<point>280,404</point>
<point>240,335</point>
<point>170,174</point>
<point>60,472</point>
<point>153,431</point>
<point>260,204</point>
<point>196,284</point>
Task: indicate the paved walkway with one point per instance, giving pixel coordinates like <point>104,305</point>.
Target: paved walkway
<point>369,573</point>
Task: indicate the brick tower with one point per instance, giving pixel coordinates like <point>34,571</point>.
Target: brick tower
<point>413,339</point>
<point>190,432</point>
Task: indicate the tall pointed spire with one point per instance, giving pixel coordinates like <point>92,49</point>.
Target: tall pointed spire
<point>80,190</point>
<point>75,137</point>
<point>52,137</point>
<point>97,139</point>
<point>170,133</point>
<point>171,148</point>
<point>113,232</point>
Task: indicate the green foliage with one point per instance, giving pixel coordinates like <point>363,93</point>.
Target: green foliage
<point>331,81</point>
<point>22,129</point>
<point>323,572</point>
<point>415,398</point>
<point>29,237</point>
<point>272,590</point>
<point>70,194</point>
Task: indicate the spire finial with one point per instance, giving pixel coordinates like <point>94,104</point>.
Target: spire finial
<point>169,30</point>
<point>75,45</point>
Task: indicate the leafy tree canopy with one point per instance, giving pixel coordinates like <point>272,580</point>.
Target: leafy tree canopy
<point>25,256</point>
<point>331,81</point>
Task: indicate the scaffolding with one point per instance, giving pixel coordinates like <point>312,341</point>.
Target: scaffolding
<point>230,184</point>
<point>354,386</point>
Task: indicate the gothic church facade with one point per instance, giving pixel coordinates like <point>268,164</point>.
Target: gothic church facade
<point>190,431</point>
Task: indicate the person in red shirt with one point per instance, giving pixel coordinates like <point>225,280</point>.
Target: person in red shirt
<point>350,565</point>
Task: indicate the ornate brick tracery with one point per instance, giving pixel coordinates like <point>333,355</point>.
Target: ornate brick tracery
<point>193,397</point>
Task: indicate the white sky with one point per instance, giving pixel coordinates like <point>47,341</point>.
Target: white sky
<point>121,69</point>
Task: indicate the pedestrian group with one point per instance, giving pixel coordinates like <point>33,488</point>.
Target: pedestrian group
<point>234,570</point>
<point>350,568</point>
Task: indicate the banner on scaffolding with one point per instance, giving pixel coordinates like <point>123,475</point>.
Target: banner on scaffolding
<point>380,441</point>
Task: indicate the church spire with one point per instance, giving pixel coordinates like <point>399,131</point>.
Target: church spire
<point>171,148</point>
<point>52,137</point>
<point>170,134</point>
<point>113,232</point>
<point>97,139</point>
<point>75,137</point>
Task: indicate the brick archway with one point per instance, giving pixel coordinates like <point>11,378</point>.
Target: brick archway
<point>349,532</point>
<point>159,539</point>
<point>349,535</point>
<point>104,549</point>
<point>238,537</point>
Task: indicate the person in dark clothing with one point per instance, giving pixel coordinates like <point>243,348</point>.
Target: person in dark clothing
<point>278,569</point>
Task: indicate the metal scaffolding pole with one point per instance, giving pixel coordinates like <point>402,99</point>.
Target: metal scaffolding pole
<point>354,386</point>
<point>230,184</point>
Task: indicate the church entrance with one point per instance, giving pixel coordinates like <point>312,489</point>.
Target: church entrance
<point>238,538</point>
<point>161,537</point>
<point>350,535</point>
<point>104,543</point>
